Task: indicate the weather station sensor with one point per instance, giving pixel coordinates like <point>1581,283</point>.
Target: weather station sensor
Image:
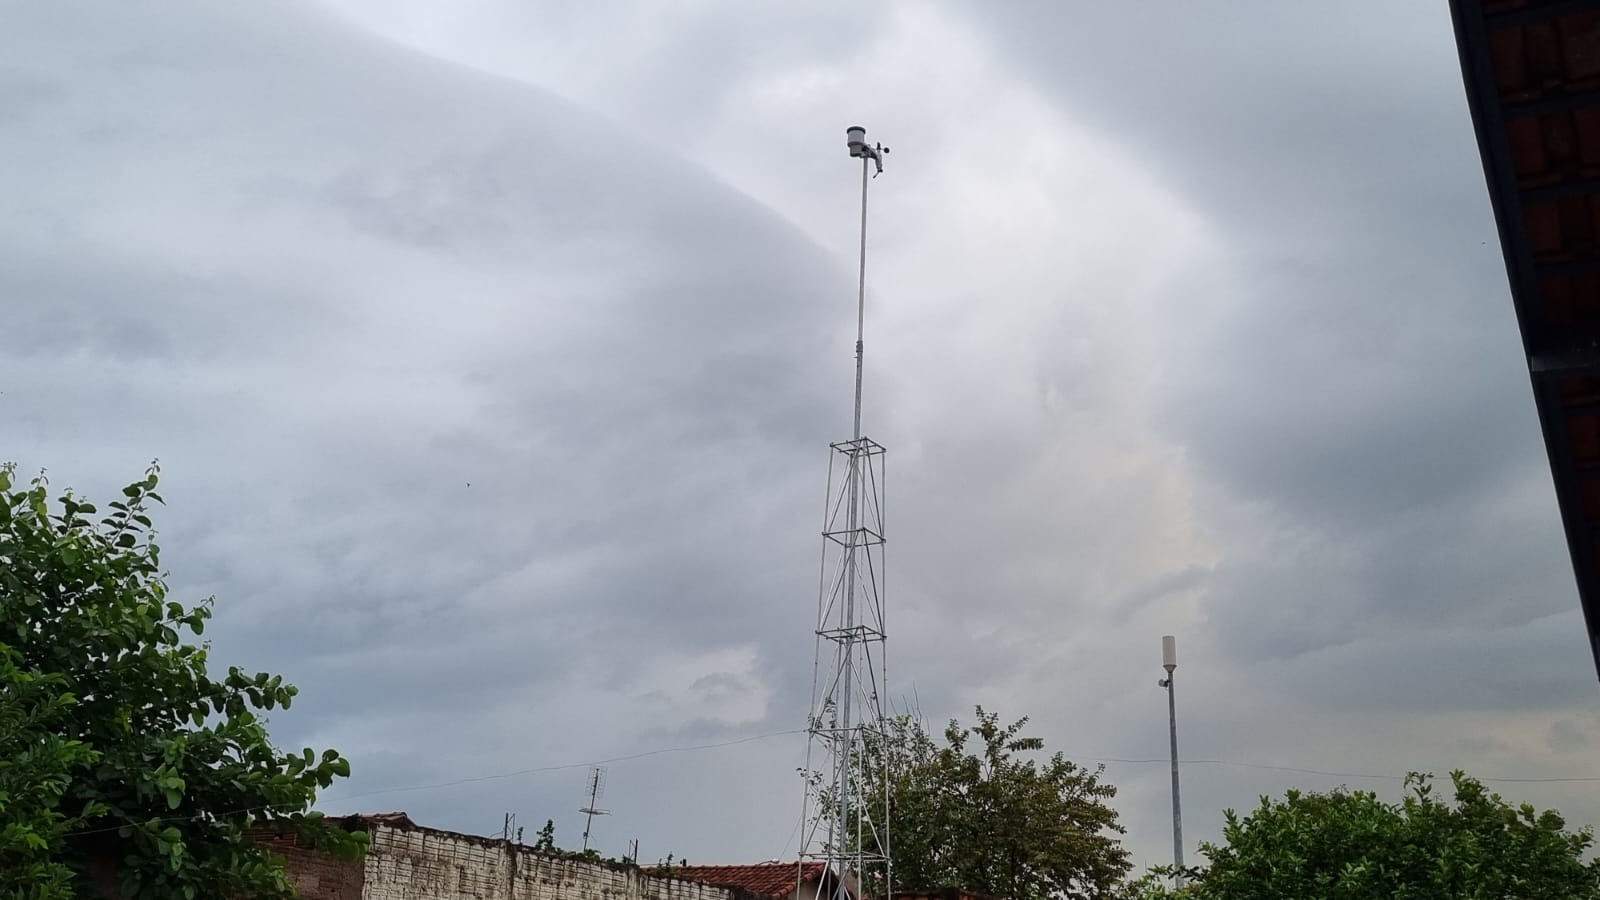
<point>856,136</point>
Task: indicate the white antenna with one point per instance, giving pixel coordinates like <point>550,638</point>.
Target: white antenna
<point>851,833</point>
<point>597,789</point>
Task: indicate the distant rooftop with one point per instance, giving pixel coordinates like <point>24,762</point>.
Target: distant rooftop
<point>778,879</point>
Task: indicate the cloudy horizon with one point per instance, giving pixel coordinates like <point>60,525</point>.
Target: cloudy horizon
<point>492,352</point>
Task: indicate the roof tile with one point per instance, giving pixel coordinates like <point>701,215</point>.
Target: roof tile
<point>766,879</point>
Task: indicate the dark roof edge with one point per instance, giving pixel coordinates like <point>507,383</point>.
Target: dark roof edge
<point>1494,151</point>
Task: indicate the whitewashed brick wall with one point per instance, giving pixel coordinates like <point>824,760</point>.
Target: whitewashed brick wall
<point>419,864</point>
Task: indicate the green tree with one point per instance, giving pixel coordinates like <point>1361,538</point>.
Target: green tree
<point>36,767</point>
<point>117,743</point>
<point>981,812</point>
<point>1349,845</point>
<point>547,837</point>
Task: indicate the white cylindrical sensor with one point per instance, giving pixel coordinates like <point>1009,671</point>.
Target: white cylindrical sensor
<point>1169,652</point>
<point>857,138</point>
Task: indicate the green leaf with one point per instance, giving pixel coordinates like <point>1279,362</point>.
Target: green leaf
<point>85,604</point>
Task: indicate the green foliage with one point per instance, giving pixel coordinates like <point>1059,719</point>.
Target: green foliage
<point>1349,845</point>
<point>975,813</point>
<point>667,867</point>
<point>36,766</point>
<point>114,735</point>
<point>547,837</point>
<point>1156,884</point>
<point>545,842</point>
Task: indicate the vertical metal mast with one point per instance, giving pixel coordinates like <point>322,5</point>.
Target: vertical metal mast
<point>1169,661</point>
<point>861,270</point>
<point>844,826</point>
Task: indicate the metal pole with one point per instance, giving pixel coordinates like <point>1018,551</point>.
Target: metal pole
<point>861,298</point>
<point>845,735</point>
<point>841,723</point>
<point>1169,661</point>
<point>1177,811</point>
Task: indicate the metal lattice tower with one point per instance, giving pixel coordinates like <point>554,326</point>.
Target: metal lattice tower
<point>841,826</point>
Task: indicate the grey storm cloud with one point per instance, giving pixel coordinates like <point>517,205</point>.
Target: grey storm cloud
<point>1358,370</point>
<point>452,380</point>
<point>492,351</point>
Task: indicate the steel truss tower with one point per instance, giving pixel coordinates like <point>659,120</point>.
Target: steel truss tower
<point>846,816</point>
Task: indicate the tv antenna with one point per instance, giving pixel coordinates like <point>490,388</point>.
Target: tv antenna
<point>511,829</point>
<point>597,789</point>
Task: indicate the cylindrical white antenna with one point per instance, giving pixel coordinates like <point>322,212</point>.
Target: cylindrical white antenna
<point>1169,653</point>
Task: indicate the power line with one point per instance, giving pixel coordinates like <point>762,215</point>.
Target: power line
<point>1246,765</point>
<point>577,765</point>
<point>499,775</point>
<point>799,820</point>
<point>688,748</point>
<point>1575,779</point>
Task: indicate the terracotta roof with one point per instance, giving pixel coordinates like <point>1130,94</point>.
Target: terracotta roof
<point>766,879</point>
<point>1532,73</point>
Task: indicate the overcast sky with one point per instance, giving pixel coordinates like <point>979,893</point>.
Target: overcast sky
<point>492,351</point>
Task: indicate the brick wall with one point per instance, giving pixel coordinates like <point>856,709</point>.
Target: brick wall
<point>316,876</point>
<point>407,862</point>
<point>412,863</point>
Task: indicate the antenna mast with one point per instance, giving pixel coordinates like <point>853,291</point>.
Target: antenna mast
<point>846,816</point>
<point>597,789</point>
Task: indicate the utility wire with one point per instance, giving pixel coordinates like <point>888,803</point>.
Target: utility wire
<point>423,787</point>
<point>578,765</point>
<point>1300,771</point>
<point>800,819</point>
<point>1245,765</point>
<point>660,751</point>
